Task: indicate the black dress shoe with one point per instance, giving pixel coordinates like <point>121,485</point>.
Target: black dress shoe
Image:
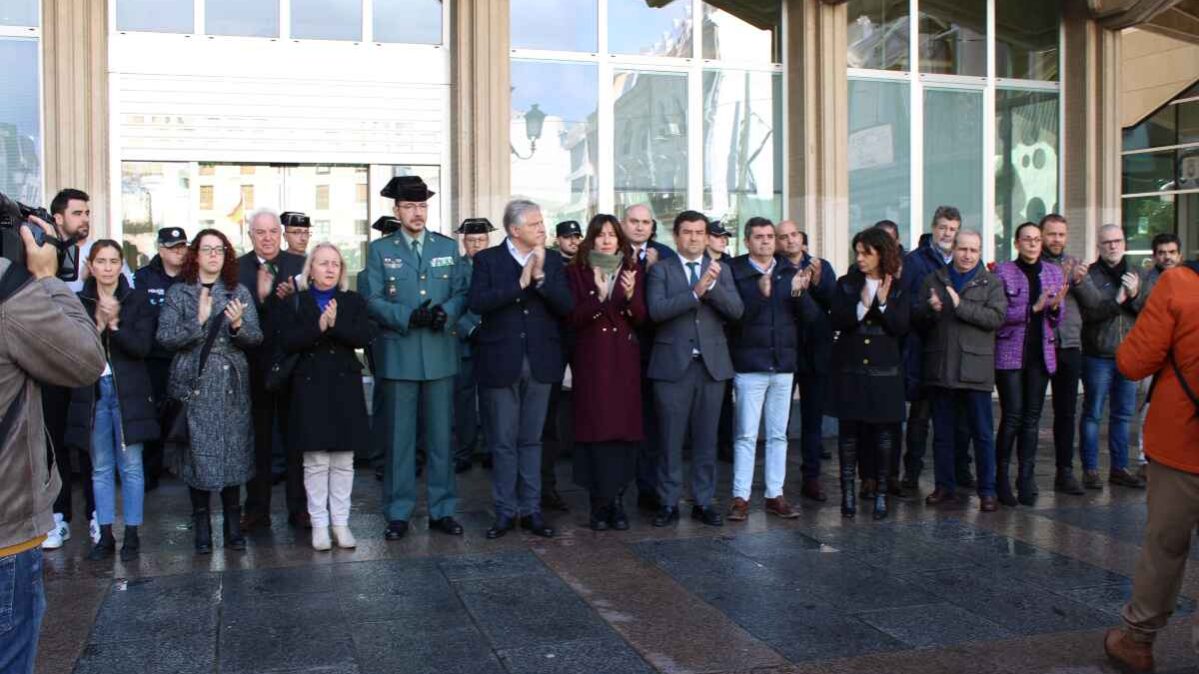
<point>648,501</point>
<point>446,525</point>
<point>461,465</point>
<point>395,530</point>
<point>535,525</point>
<point>708,515</point>
<point>666,516</point>
<point>502,525</point>
<point>617,519</point>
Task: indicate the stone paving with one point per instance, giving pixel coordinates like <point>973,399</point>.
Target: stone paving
<point>929,590</point>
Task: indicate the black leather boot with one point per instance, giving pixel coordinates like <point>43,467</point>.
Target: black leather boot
<point>617,519</point>
<point>106,547</point>
<point>1003,478</point>
<point>886,440</point>
<point>234,540</point>
<point>599,514</point>
<point>131,546</point>
<point>847,455</point>
<point>203,526</point>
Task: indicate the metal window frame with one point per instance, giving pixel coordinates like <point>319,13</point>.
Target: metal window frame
<point>35,33</point>
<point>693,67</point>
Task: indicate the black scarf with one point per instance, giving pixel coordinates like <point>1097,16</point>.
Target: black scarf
<point>1035,334</point>
<point>1117,272</point>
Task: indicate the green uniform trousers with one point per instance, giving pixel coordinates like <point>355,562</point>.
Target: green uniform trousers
<point>401,401</point>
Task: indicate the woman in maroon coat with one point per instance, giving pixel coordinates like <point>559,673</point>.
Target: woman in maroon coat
<point>609,300</point>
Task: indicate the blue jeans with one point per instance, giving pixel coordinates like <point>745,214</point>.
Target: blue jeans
<point>756,390</point>
<point>108,455</point>
<point>1101,380</point>
<point>976,405</point>
<point>22,605</point>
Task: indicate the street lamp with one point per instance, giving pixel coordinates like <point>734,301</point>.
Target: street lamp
<point>534,119</point>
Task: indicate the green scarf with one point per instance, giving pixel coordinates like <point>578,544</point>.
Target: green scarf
<point>608,264</point>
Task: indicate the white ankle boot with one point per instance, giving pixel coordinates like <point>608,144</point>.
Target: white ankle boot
<point>320,538</point>
<point>344,538</point>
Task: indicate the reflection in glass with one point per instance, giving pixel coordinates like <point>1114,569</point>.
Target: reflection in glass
<point>409,21</point>
<point>1146,217</point>
<point>1149,172</point>
<point>953,37</point>
<point>750,32</point>
<point>651,144</point>
<point>1026,39</point>
<point>1159,130</point>
<point>20,131</point>
<point>326,19</point>
<point>880,155</point>
<point>160,16</point>
<point>953,155</point>
<point>1188,122</point>
<point>19,13</point>
<point>559,170</point>
<point>1188,223</point>
<point>561,25</point>
<point>878,34</point>
<point>635,27</point>
<point>743,148</point>
<point>1026,162</point>
<point>253,18</point>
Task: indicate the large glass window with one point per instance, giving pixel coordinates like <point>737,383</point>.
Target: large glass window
<point>1026,39</point>
<point>251,18</point>
<point>656,28</point>
<point>953,154</point>
<point>1161,176</point>
<point>880,159</point>
<point>160,16</point>
<point>743,145</point>
<point>19,13</point>
<point>558,25</point>
<point>756,35</point>
<point>651,141</point>
<point>878,34</point>
<point>20,127</point>
<point>953,37</point>
<point>410,21</point>
<point>554,126</point>
<point>326,19</point>
<point>1026,162</point>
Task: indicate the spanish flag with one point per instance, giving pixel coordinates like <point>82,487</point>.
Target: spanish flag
<point>238,214</point>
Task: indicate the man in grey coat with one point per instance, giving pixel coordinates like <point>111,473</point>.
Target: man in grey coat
<point>690,299</point>
<point>1067,338</point>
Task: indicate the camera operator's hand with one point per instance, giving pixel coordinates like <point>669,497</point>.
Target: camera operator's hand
<point>42,261</point>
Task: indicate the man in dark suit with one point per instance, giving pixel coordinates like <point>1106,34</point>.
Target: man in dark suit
<point>639,227</point>
<point>268,273</point>
<point>522,297</point>
<point>690,299</point>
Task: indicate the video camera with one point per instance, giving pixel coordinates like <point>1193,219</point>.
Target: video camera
<point>13,216</point>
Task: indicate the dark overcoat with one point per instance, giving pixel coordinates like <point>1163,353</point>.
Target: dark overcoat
<point>867,378</point>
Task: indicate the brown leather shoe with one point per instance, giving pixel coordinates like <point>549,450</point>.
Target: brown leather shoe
<point>251,521</point>
<point>987,504</point>
<point>812,489</point>
<point>939,495</point>
<point>779,506</point>
<point>738,511</point>
<point>1130,655</point>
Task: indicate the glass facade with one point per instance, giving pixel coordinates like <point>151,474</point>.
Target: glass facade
<point>878,34</point>
<point>953,155</point>
<point>728,37</point>
<point>953,37</point>
<point>19,13</point>
<point>1026,39</point>
<point>326,19</point>
<point>250,18</point>
<point>1026,162</point>
<point>156,16</point>
<point>1161,176</point>
<point>556,25</point>
<point>635,27</point>
<point>880,155</point>
<point>408,21</point>
<point>20,121</point>
<point>650,139</point>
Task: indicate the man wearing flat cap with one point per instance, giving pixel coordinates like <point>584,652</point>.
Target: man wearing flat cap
<point>476,235</point>
<point>416,291</point>
<point>296,228</point>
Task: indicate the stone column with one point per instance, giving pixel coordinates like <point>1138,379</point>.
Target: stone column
<point>480,103</point>
<point>1091,139</point>
<point>817,142</point>
<point>75,90</point>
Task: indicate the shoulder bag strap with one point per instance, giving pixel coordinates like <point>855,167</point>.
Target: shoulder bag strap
<point>209,340</point>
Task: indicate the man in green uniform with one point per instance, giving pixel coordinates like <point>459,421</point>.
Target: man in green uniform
<point>416,290</point>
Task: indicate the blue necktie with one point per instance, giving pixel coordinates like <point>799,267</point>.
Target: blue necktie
<point>694,267</point>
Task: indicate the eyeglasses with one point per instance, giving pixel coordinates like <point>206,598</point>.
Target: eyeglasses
<point>1113,242</point>
<point>212,250</point>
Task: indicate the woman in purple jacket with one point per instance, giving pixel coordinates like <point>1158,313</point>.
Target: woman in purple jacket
<point>1024,359</point>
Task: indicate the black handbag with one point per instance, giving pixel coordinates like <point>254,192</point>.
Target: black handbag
<point>174,410</point>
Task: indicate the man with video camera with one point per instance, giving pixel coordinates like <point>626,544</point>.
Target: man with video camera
<point>45,337</point>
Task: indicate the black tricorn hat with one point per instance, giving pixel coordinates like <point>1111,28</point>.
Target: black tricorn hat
<point>715,228</point>
<point>476,226</point>
<point>406,188</point>
<point>568,228</point>
<point>386,225</point>
<point>294,219</point>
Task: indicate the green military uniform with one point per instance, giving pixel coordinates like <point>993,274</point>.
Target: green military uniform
<point>415,366</point>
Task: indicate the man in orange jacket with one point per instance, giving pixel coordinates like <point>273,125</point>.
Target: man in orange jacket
<point>1165,342</point>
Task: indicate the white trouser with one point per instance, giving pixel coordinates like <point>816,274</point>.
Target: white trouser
<point>755,391</point>
<point>328,480</point>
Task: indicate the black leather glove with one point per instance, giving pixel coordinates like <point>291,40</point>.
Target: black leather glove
<point>439,318</point>
<point>421,317</point>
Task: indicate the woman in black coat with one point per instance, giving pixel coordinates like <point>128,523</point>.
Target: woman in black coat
<point>871,313</point>
<point>324,325</point>
<point>112,418</point>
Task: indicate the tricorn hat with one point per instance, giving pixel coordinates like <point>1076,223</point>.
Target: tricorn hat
<point>386,225</point>
<point>715,228</point>
<point>294,219</point>
<point>406,188</point>
<point>476,226</point>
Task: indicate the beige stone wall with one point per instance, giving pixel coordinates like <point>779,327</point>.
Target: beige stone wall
<point>75,46</point>
<point>1154,69</point>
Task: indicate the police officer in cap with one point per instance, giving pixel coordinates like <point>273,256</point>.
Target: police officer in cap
<point>296,228</point>
<point>416,290</point>
<point>476,235</point>
<point>568,235</point>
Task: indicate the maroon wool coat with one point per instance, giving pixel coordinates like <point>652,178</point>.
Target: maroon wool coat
<point>605,364</point>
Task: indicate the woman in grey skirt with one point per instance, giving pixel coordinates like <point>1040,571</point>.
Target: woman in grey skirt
<point>221,453</point>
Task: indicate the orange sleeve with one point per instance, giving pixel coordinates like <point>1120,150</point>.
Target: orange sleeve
<point>1144,350</point>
